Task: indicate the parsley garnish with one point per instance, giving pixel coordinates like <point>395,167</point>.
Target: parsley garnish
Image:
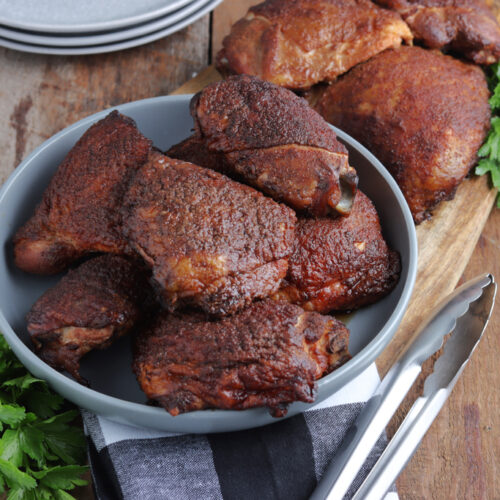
<point>40,445</point>
<point>490,150</point>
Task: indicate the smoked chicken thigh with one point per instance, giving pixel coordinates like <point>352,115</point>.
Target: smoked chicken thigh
<point>423,114</point>
<point>194,150</point>
<point>467,27</point>
<point>340,264</point>
<point>210,241</point>
<point>298,43</point>
<point>273,140</point>
<point>89,308</point>
<point>79,211</point>
<point>270,355</point>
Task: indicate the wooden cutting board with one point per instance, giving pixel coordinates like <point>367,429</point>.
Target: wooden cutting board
<point>458,458</point>
<point>445,243</point>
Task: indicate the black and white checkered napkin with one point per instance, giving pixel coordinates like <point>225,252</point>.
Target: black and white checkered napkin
<point>284,460</point>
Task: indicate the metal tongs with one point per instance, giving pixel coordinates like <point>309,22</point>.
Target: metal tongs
<point>465,313</point>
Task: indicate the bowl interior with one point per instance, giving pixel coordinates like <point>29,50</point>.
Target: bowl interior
<point>166,121</point>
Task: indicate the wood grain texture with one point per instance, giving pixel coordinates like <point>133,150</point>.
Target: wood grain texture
<point>459,456</point>
<point>224,16</point>
<point>40,95</point>
<point>445,245</point>
<point>201,80</point>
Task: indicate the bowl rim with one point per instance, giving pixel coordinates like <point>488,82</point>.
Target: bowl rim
<point>113,404</point>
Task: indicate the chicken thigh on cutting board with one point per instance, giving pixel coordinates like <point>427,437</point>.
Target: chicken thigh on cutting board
<point>423,114</point>
<point>466,27</point>
<point>298,43</point>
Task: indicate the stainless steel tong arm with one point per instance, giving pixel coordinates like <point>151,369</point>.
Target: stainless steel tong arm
<point>474,300</point>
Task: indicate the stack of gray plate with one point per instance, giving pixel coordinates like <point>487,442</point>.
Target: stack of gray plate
<point>75,27</point>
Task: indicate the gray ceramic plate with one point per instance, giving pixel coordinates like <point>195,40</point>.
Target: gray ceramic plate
<point>108,37</point>
<point>75,16</point>
<point>114,46</point>
<point>115,392</point>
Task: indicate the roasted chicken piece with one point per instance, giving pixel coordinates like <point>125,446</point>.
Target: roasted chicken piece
<point>340,264</point>
<point>297,43</point>
<point>423,114</point>
<point>79,211</point>
<point>287,165</point>
<point>467,27</point>
<point>267,355</point>
<point>210,241</point>
<point>194,150</point>
<point>88,309</point>
<point>273,140</point>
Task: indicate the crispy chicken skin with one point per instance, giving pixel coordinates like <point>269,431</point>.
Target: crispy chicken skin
<point>210,241</point>
<point>79,211</point>
<point>467,27</point>
<point>423,114</point>
<point>297,43</point>
<point>194,150</point>
<point>340,264</point>
<point>270,355</point>
<point>89,308</point>
<point>273,140</point>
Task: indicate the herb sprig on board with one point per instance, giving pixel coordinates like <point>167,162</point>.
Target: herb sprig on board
<point>490,151</point>
<point>40,446</point>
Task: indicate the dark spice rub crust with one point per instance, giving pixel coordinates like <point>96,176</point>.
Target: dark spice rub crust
<point>267,355</point>
<point>89,308</point>
<point>298,43</point>
<point>424,115</point>
<point>467,27</point>
<point>340,264</point>
<point>194,150</point>
<point>79,211</point>
<point>274,141</point>
<point>210,241</point>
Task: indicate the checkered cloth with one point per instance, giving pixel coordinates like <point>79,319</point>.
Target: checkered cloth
<point>284,460</point>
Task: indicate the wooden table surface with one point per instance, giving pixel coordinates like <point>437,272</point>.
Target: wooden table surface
<point>460,456</point>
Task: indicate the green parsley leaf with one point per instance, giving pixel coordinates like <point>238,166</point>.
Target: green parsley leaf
<point>23,382</point>
<point>15,477</point>
<point>40,450</point>
<point>21,494</point>
<point>64,440</point>
<point>43,493</point>
<point>41,401</point>
<point>31,442</point>
<point>10,448</point>
<point>66,477</point>
<point>495,98</point>
<point>12,415</point>
<point>62,495</point>
<point>490,150</point>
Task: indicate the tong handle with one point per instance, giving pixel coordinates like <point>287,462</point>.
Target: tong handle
<point>401,447</point>
<point>369,425</point>
<point>437,388</point>
<point>377,413</point>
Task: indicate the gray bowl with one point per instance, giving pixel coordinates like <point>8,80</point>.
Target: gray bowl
<point>115,393</point>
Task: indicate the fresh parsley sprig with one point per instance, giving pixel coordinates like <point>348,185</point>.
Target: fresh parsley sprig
<point>40,445</point>
<point>490,150</point>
